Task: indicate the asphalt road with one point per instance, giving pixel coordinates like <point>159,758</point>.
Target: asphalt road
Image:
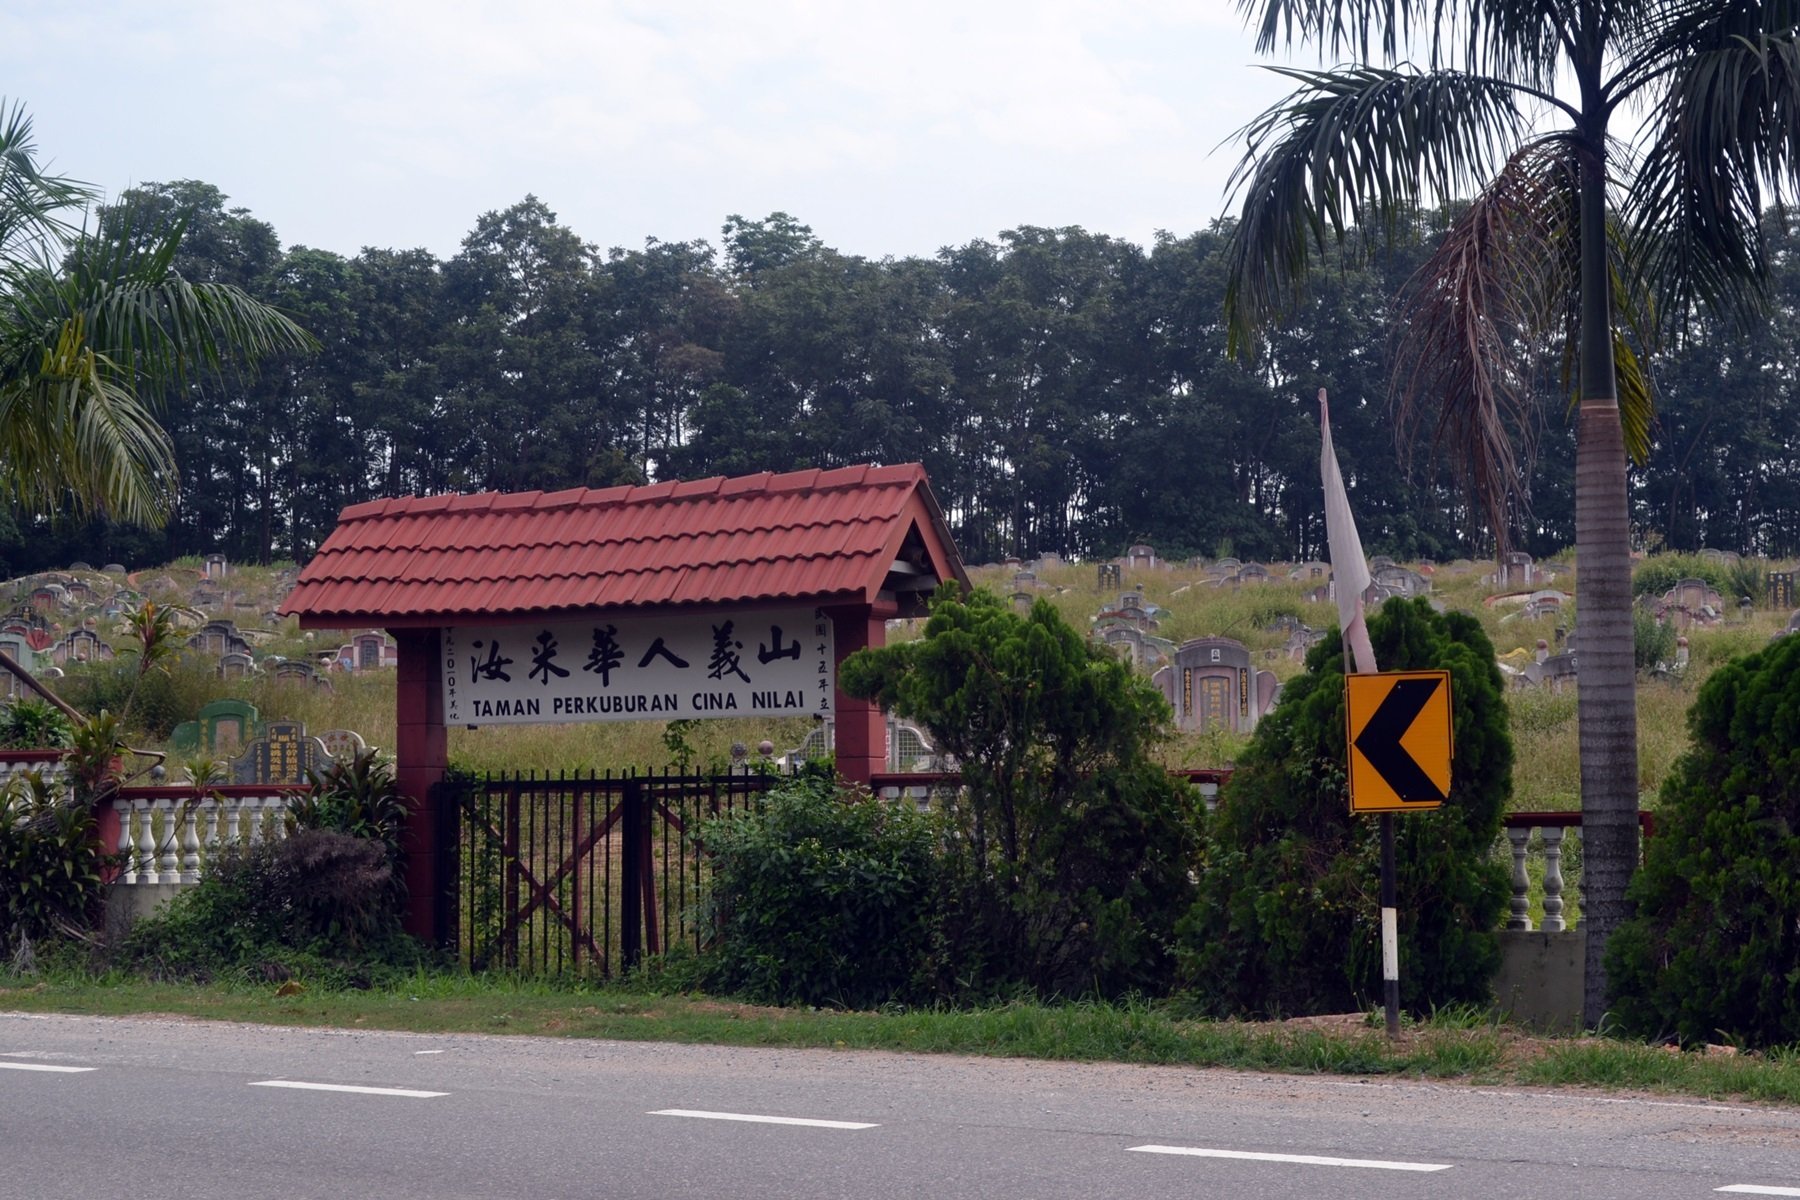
<point>144,1108</point>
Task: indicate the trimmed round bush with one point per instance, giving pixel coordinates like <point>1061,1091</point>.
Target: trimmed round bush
<point>824,895</point>
<point>1713,950</point>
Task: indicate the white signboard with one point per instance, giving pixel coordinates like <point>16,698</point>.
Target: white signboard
<point>605,668</point>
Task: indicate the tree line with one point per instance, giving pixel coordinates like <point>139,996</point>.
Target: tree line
<point>1066,390</point>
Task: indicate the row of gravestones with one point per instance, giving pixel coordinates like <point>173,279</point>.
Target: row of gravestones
<point>257,751</point>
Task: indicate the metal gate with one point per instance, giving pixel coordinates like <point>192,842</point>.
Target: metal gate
<point>580,874</point>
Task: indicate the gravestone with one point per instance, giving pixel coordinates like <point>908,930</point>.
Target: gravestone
<point>283,754</point>
<point>219,637</point>
<point>1140,557</point>
<point>1211,683</point>
<point>113,569</point>
<point>1301,641</point>
<point>342,744</point>
<point>1516,570</point>
<point>1780,586</point>
<point>218,730</point>
<point>294,670</point>
<point>373,650</point>
<point>1022,601</point>
<point>1546,603</point>
<point>1253,573</point>
<point>1555,671</point>
<point>1378,562</point>
<point>80,566</point>
<point>1313,570</point>
<point>1024,579</point>
<point>216,567</point>
<point>1126,642</point>
<point>236,666</point>
<point>1395,580</point>
<point>82,645</point>
<point>1109,575</point>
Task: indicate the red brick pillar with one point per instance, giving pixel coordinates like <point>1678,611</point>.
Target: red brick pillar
<point>421,755</point>
<point>861,736</point>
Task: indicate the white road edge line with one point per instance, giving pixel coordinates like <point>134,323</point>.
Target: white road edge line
<point>416,1052</point>
<point>18,1066</point>
<point>345,1087</point>
<point>760,1120</point>
<point>1311,1160</point>
<point>1757,1189</point>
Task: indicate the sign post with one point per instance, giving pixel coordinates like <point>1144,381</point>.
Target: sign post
<point>1398,726</point>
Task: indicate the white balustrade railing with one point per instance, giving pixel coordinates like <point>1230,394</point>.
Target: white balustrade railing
<point>1550,839</point>
<point>48,764</point>
<point>169,838</point>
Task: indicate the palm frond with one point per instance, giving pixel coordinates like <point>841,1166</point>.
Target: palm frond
<point>1355,147</point>
<point>30,198</point>
<point>1471,316</point>
<point>72,435</point>
<point>1724,143</point>
<point>1515,39</point>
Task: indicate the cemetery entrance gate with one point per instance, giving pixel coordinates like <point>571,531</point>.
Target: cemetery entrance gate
<point>706,598</point>
<point>579,873</point>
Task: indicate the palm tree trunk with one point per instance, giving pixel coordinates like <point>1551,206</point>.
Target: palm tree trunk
<point>1603,635</point>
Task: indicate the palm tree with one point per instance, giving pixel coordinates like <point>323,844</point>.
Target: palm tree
<point>88,327</point>
<point>1572,238</point>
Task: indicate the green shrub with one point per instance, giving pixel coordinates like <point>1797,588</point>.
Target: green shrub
<point>822,896</point>
<point>357,796</point>
<point>1660,572</point>
<point>1070,849</point>
<point>28,723</point>
<point>50,865</point>
<point>1713,952</point>
<point>1652,641</point>
<point>317,902</point>
<point>1288,918</point>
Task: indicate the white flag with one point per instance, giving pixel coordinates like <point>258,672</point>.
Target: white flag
<point>1349,569</point>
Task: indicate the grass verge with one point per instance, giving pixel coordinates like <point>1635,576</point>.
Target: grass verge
<point>1458,1046</point>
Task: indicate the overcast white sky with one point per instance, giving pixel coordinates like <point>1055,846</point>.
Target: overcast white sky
<point>890,128</point>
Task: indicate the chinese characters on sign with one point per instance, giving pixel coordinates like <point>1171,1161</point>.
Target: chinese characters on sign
<point>611,668</point>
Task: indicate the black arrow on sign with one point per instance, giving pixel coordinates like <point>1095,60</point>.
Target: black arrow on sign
<point>1379,741</point>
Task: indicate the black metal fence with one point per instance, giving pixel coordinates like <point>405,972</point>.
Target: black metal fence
<point>582,874</point>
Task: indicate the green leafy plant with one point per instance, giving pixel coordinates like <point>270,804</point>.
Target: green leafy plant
<point>1652,641</point>
<point>822,895</point>
<point>356,796</point>
<point>1068,859</point>
<point>50,865</point>
<point>1287,920</point>
<point>1713,950</point>
<point>29,723</point>
<point>95,758</point>
<point>317,902</point>
<point>1657,574</point>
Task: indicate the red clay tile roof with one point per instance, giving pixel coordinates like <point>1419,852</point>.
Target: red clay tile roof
<point>811,536</point>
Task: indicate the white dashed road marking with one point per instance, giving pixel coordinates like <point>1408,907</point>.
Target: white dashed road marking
<point>22,1066</point>
<point>1310,1160</point>
<point>761,1120</point>
<point>1757,1189</point>
<point>345,1087</point>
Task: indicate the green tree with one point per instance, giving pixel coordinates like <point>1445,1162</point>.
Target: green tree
<point>1567,237</point>
<point>1287,918</point>
<point>91,324</point>
<point>1713,950</point>
<point>1068,864</point>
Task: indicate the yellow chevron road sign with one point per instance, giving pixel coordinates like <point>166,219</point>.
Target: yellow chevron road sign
<point>1398,726</point>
